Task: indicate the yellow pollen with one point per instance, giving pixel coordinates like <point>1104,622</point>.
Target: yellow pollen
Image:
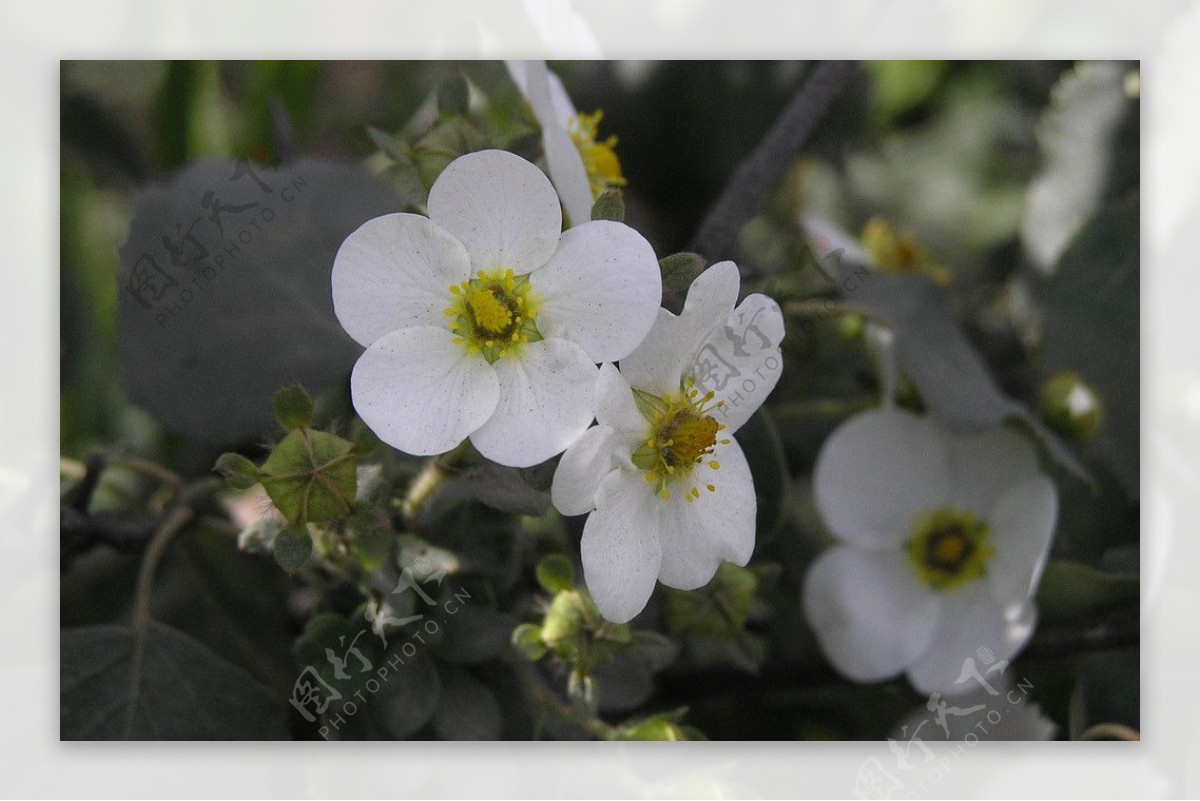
<point>711,488</point>
<point>599,159</point>
<point>715,465</point>
<point>491,315</point>
<point>666,495</point>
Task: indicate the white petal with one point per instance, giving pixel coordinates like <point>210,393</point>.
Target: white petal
<point>547,401</point>
<point>973,626</point>
<point>984,466</point>
<point>580,471</point>
<point>1022,524</point>
<point>620,546</point>
<point>718,525</point>
<point>395,272</point>
<point>831,244</point>
<point>601,289</point>
<point>560,109</point>
<point>615,406</point>
<point>421,393</point>
<point>501,207</point>
<point>871,616</point>
<point>876,472</point>
<point>567,169</point>
<point>667,352</point>
<point>740,362</point>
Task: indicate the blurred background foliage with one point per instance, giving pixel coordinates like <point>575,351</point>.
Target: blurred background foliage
<point>1013,186</point>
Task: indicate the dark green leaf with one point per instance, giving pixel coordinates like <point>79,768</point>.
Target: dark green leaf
<point>292,547</point>
<point>174,688</point>
<point>453,96</point>
<point>212,320</point>
<point>468,709</point>
<point>410,696</point>
<point>1093,306</point>
<point>760,441</point>
<point>474,634</point>
<point>1071,592</point>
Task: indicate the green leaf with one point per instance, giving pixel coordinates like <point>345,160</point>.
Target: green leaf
<point>609,206</point>
<point>292,547</point>
<point>1070,592</point>
<point>679,270</point>
<point>293,407</point>
<point>555,573</point>
<point>311,476</point>
<point>392,146</point>
<point>718,609</point>
<point>213,320</point>
<point>468,709</point>
<point>173,688</point>
<point>1093,307</point>
<point>409,698</point>
<point>1110,691</point>
<point>239,472</point>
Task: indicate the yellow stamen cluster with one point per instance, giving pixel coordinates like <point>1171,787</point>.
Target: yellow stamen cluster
<point>680,435</point>
<point>493,314</point>
<point>599,157</point>
<point>949,548</point>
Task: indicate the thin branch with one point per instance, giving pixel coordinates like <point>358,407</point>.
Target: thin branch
<point>760,172</point>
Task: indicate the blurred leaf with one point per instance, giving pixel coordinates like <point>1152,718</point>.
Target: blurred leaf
<point>951,378</point>
<point>192,115</point>
<point>214,318</point>
<point>1093,307</point>
<point>759,440</point>
<point>527,640</point>
<point>292,546</point>
<point>475,634</point>
<point>239,472</point>
<point>555,573</point>
<point>901,85</point>
<point>410,696</point>
<point>1076,133</point>
<point>453,95</point>
<point>468,709</point>
<point>177,690</point>
<point>1070,592</point>
<point>1109,691</point>
<point>293,407</point>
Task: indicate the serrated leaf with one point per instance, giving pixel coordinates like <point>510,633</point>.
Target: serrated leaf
<point>173,688</point>
<point>213,318</point>
<point>311,476</point>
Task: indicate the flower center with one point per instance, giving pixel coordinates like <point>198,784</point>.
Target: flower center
<point>599,158</point>
<point>949,548</point>
<point>680,435</point>
<point>493,314</point>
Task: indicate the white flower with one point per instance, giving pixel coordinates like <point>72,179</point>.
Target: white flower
<point>482,321</point>
<point>669,491</point>
<point>580,165</point>
<point>942,540</point>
